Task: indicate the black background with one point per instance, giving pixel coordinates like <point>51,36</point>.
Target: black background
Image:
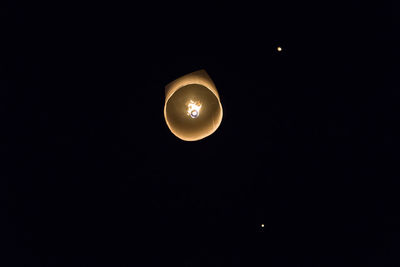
<point>92,176</point>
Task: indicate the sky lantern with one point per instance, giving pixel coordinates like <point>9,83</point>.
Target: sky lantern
<point>192,107</point>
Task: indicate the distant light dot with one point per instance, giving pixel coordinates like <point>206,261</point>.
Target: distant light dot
<point>279,49</point>
<point>262,225</point>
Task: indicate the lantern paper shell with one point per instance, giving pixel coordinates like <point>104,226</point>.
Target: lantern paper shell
<point>192,107</point>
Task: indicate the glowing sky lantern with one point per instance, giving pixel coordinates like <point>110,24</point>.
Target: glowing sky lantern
<point>192,107</point>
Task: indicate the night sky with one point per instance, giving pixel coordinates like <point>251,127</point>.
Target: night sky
<point>92,176</point>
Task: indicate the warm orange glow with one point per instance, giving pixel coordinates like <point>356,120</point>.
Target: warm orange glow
<point>192,107</point>
<point>279,49</point>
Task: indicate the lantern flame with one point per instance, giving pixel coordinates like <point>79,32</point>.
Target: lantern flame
<point>193,109</point>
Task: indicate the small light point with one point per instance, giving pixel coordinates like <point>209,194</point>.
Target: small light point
<point>262,225</point>
<point>279,49</point>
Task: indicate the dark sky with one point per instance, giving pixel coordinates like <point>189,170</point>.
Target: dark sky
<point>92,176</point>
